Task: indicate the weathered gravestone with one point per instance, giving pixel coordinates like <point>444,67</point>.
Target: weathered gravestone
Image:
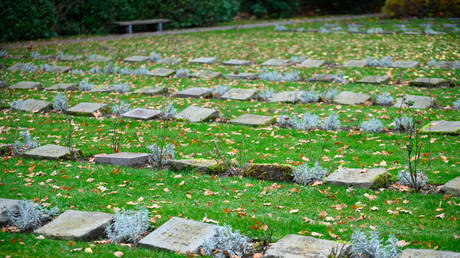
<point>52,151</point>
<point>427,253</point>
<point>6,204</point>
<point>204,60</point>
<point>416,101</point>
<point>195,92</point>
<point>17,67</point>
<point>161,72</point>
<point>27,85</point>
<point>276,62</point>
<point>237,62</point>
<point>33,105</point>
<point>444,65</point>
<point>77,225</point>
<point>63,86</point>
<point>295,246</point>
<point>239,94</point>
<point>69,57</point>
<point>250,119</point>
<point>142,113</point>
<point>45,57</point>
<point>57,69</point>
<point>98,58</point>
<point>241,76</point>
<point>311,63</point>
<point>355,63</point>
<point>152,91</point>
<point>351,98</point>
<point>452,187</point>
<point>375,79</point>
<point>136,59</point>
<point>365,178</point>
<point>103,88</point>
<point>197,114</point>
<point>204,74</point>
<point>429,82</point>
<point>169,60</point>
<point>129,159</point>
<point>200,165</point>
<point>286,96</point>
<point>322,78</point>
<point>87,108</point>
<point>179,235</point>
<point>404,64</point>
<point>269,171</point>
<point>446,127</point>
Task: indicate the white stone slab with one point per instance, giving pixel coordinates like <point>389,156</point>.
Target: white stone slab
<point>63,87</point>
<point>355,176</point>
<point>355,63</point>
<point>142,113</point>
<point>250,119</point>
<point>427,253</point>
<point>295,246</point>
<point>27,85</point>
<point>129,159</point>
<point>351,98</point>
<point>152,91</point>
<point>50,151</point>
<point>86,108</point>
<point>375,79</point>
<point>34,105</point>
<point>429,82</point>
<point>237,62</point>
<point>204,74</point>
<point>6,204</point>
<point>136,59</point>
<point>161,72</point>
<point>442,126</point>
<point>276,62</point>
<point>418,101</point>
<point>452,187</point>
<point>195,92</point>
<point>404,64</point>
<point>240,94</point>
<point>311,63</point>
<point>204,60</point>
<point>241,76</point>
<point>77,225</point>
<point>179,235</point>
<point>197,114</point>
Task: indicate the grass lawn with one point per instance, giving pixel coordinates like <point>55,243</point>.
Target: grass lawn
<point>424,220</point>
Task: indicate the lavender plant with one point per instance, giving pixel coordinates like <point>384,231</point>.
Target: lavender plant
<point>266,94</point>
<point>45,67</point>
<point>125,70</point>
<point>309,122</point>
<point>84,85</point>
<point>417,181</point>
<point>141,71</point>
<point>121,87</point>
<point>309,96</point>
<point>374,125</point>
<point>77,71</point>
<point>353,28</point>
<point>305,174</point>
<point>154,57</point>
<point>29,67</point>
<point>168,112</point>
<point>384,99</point>
<point>128,226</point>
<point>226,243</point>
<point>3,53</point>
<point>340,78</point>
<point>328,95</point>
<point>29,216</point>
<point>182,73</point>
<point>375,30</point>
<point>220,90</point>
<point>297,59</point>
<point>372,246</point>
<point>161,154</point>
<point>279,27</point>
<point>94,70</point>
<point>121,108</point>
<point>403,123</point>
<point>457,104</point>
<point>28,143</point>
<point>34,54</point>
<point>110,68</point>
<point>332,122</point>
<point>286,121</point>
<point>60,102</point>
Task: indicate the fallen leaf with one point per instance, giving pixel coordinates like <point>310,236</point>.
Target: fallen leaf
<point>118,254</point>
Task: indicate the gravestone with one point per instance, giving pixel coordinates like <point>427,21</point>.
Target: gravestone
<point>179,235</point>
<point>128,159</point>
<point>3,84</point>
<point>322,78</point>
<point>51,151</point>
<point>452,187</point>
<point>404,64</point>
<point>136,59</point>
<point>162,72</point>
<point>103,88</point>
<point>364,178</point>
<point>276,62</point>
<point>427,253</point>
<point>17,67</point>
<point>241,76</point>
<point>200,165</point>
<point>63,87</point>
<point>444,65</point>
<point>295,246</point>
<point>69,58</point>
<point>98,58</point>
<point>375,79</point>
<point>197,114</point>
<point>237,62</point>
<point>204,74</point>
<point>86,108</point>
<point>169,60</point>
<point>311,63</point>
<point>6,204</point>
<point>286,96</point>
<point>250,119</point>
<point>351,98</point>
<point>429,82</point>
<point>239,94</point>
<point>269,171</point>
<point>142,113</point>
<point>58,69</point>
<point>45,57</point>
<point>204,60</point>
<point>34,105</point>
<point>418,101</point>
<point>152,91</point>
<point>77,225</point>
<point>195,92</point>
<point>27,85</point>
<point>355,63</point>
<point>446,127</point>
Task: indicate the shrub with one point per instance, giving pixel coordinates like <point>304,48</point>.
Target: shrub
<point>121,108</point>
<point>77,71</point>
<point>84,85</point>
<point>94,70</point>
<point>34,54</point>
<point>309,122</point>
<point>154,57</point>
<point>266,94</point>
<point>297,59</point>
<point>29,67</point>
<point>340,78</point>
<point>374,30</point>
<point>220,90</point>
<point>329,95</point>
<point>161,155</point>
<point>457,104</point>
<point>226,243</point>
<point>421,8</point>
<point>128,226</point>
<point>29,143</point>
<point>372,246</point>
<point>279,27</point>
<point>45,67</point>
<point>403,123</point>
<point>275,76</point>
<point>270,8</point>
<point>332,122</point>
<point>141,71</point>
<point>415,180</point>
<point>432,63</point>
<point>353,28</point>
<point>168,112</point>
<point>29,216</point>
<point>121,87</point>
<point>125,70</point>
<point>384,99</point>
<point>309,96</point>
<point>60,102</point>
<point>324,30</point>
<point>286,121</point>
<point>374,126</point>
<point>110,68</point>
<point>182,73</point>
<point>384,62</point>
<point>304,174</point>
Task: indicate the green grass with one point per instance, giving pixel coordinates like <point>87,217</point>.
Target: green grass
<point>260,144</point>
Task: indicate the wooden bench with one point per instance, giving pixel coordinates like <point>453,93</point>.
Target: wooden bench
<point>129,24</point>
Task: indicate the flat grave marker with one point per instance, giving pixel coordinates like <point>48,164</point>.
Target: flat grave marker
<point>418,101</point>
<point>442,126</point>
<point>136,59</point>
<point>63,87</point>
<point>355,63</point>
<point>236,62</point>
<point>322,78</point>
<point>128,159</point>
<point>378,79</point>
<point>51,151</point>
<point>142,114</point>
<point>152,91</point>
<point>86,108</point>
<point>452,187</point>
<point>195,92</point>
<point>253,120</point>
<point>355,177</point>
<point>286,96</point>
<point>404,64</point>
<point>205,74</point>
<point>351,98</point>
<point>312,63</point>
<point>429,82</point>
<point>162,72</point>
<point>427,253</point>
<point>239,94</point>
<point>169,60</point>
<point>276,62</point>
<point>241,76</point>
<point>33,105</point>
<point>197,114</point>
<point>204,60</point>
<point>27,85</point>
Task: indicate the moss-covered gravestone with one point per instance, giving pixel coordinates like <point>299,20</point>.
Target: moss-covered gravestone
<point>365,178</point>
<point>271,172</point>
<point>200,165</point>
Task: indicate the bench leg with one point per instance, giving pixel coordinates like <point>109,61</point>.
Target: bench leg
<point>159,26</point>
<point>129,29</point>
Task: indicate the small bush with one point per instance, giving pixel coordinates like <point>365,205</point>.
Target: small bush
<point>182,73</point>
<point>128,226</point>
<point>3,53</point>
<point>77,71</point>
<point>418,8</point>
<point>297,59</point>
<point>29,216</point>
<point>340,78</point>
<point>28,143</point>
<point>84,85</point>
<point>305,174</point>
<point>161,155</point>
<point>275,76</point>
<point>286,121</point>
<point>125,70</point>
<point>168,112</point>
<point>416,181</point>
<point>60,102</point>
<point>309,96</point>
<point>354,28</point>
<point>121,108</point>
<point>384,99</point>
<point>35,54</point>
<point>266,94</point>
<point>374,126</point>
<point>309,122</point>
<point>324,30</point>
<point>372,246</point>
<point>29,67</point>
<point>121,87</point>
<point>457,104</point>
<point>220,90</point>
<point>94,70</point>
<point>45,67</point>
<point>110,68</point>
<point>154,57</point>
<point>383,62</point>
<point>279,27</point>
<point>329,95</point>
<point>141,71</point>
<point>403,124</point>
<point>332,122</point>
<point>374,30</point>
<point>226,243</point>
